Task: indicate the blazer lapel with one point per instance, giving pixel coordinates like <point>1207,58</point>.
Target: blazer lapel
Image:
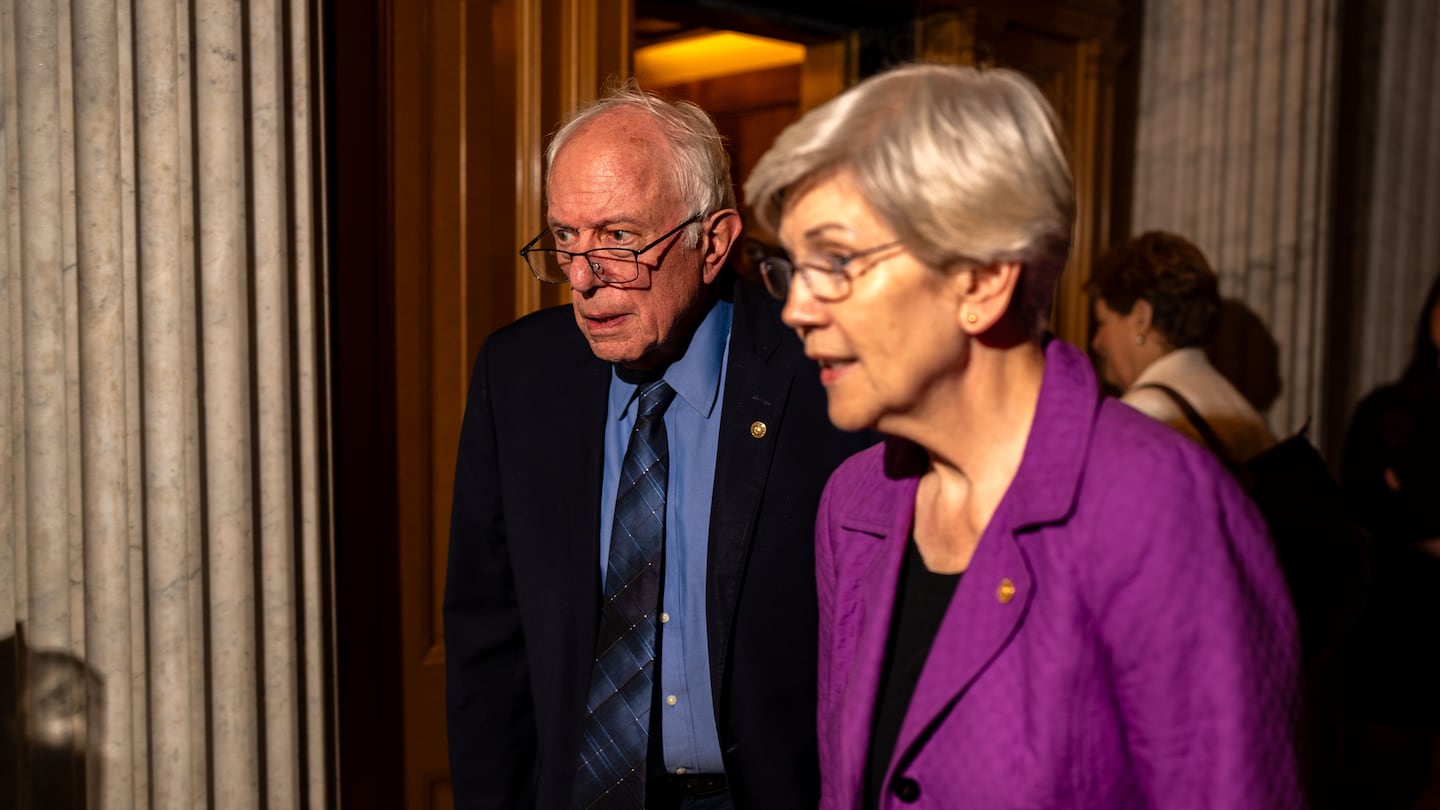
<point>888,530</point>
<point>757,383</point>
<point>988,607</point>
<point>995,593</point>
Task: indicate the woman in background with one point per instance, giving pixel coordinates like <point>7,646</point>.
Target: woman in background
<point>1394,487</point>
<point>1391,472</point>
<point>1029,597</point>
<point>1157,304</point>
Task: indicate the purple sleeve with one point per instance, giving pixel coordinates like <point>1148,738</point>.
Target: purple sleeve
<point>1201,639</point>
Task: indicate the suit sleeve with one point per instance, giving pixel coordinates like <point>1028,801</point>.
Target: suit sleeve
<point>1196,622</point>
<point>489,710</point>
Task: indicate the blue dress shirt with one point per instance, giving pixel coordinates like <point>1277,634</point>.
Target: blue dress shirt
<point>692,424</point>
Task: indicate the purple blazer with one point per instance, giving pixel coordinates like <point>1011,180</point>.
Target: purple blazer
<point>1123,637</point>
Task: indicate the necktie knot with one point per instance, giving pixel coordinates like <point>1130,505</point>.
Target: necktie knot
<point>655,398</point>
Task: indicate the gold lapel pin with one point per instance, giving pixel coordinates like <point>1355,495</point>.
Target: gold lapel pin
<point>1005,592</point>
<point>757,429</point>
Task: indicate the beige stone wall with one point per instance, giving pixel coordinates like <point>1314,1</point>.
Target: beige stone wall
<point>161,389</point>
<point>1236,149</point>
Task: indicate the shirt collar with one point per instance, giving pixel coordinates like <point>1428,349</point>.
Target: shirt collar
<point>695,376</point>
<point>1178,361</point>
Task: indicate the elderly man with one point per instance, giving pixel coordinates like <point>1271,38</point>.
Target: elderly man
<point>630,605</point>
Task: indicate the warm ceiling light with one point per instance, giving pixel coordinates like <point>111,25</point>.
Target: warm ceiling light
<point>722,53</point>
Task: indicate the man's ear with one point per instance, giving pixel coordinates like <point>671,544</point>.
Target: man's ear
<point>721,234</point>
<point>986,293</point>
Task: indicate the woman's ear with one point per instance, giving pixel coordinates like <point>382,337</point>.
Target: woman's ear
<point>986,293</point>
<point>722,233</point>
<point>1141,317</point>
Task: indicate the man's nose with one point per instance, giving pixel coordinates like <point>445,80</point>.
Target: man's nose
<point>582,274</point>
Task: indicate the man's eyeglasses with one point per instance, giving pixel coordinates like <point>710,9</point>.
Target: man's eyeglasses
<point>830,281</point>
<point>611,265</point>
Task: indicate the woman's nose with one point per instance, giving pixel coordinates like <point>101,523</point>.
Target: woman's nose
<point>802,309</point>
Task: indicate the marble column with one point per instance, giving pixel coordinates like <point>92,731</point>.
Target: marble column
<point>1397,256</point>
<point>1235,151</point>
<point>162,404</point>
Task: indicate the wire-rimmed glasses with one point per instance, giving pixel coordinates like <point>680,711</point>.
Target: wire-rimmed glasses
<point>611,265</point>
<point>828,282</point>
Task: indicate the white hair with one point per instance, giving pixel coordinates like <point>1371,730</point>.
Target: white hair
<point>967,166</point>
<point>700,167</point>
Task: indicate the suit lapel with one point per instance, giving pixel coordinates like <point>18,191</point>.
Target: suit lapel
<point>572,445</point>
<point>757,383</point>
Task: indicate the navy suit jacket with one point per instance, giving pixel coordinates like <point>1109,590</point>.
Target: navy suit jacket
<point>522,590</point>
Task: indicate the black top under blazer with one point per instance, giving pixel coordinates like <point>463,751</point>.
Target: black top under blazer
<point>522,588</point>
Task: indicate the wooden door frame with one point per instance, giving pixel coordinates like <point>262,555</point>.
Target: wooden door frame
<point>362,348</point>
<point>422,270</point>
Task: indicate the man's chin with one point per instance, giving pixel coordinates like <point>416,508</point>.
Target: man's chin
<point>619,352</point>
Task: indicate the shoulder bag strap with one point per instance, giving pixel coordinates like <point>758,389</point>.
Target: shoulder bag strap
<point>1201,426</point>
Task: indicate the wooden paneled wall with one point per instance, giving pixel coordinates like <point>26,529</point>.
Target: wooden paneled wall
<point>477,85</point>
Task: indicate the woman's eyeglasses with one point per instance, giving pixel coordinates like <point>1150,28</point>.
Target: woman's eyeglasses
<point>830,281</point>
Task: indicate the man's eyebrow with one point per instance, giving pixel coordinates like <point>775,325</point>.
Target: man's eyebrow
<point>604,224</point>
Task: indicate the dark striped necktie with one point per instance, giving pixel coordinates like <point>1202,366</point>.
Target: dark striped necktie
<point>617,713</point>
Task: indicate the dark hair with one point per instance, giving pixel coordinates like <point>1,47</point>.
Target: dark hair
<point>1169,272</point>
<point>1425,359</point>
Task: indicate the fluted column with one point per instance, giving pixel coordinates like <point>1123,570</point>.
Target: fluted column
<point>107,394</point>
<point>162,404</point>
<point>1399,256</point>
<point>1234,151</point>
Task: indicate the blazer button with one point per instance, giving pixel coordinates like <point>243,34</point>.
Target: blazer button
<point>905,789</point>
<point>758,429</point>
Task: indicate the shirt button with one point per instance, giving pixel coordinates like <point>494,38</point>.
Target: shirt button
<point>679,771</point>
<point>664,617</point>
<point>671,700</point>
<point>905,789</point>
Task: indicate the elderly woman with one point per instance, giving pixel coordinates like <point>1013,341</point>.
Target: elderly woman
<point>1157,304</point>
<point>1030,597</point>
